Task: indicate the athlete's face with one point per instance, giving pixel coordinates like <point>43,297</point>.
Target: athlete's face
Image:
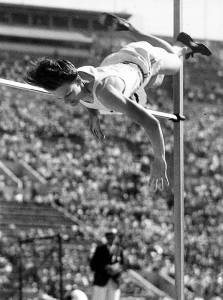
<point>69,92</point>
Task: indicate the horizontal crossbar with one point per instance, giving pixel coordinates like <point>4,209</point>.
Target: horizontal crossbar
<point>168,116</point>
<point>22,86</point>
<point>32,88</point>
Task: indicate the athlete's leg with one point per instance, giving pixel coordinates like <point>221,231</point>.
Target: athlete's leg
<point>167,56</point>
<point>178,49</point>
<point>120,24</point>
<point>167,60</point>
<point>184,45</point>
<point>162,62</point>
<point>167,63</point>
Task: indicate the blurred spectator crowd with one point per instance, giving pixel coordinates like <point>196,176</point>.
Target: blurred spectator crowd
<point>106,184</point>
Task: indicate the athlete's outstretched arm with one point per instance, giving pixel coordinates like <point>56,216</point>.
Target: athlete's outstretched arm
<point>115,100</point>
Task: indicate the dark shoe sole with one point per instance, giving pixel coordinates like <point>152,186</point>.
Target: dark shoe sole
<point>116,22</point>
<point>195,47</point>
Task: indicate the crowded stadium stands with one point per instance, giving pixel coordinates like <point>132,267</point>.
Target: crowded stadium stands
<point>104,184</point>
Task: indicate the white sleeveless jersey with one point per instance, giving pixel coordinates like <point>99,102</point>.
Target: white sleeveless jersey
<point>129,74</point>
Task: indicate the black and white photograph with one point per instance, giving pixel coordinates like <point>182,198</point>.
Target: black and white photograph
<point>111,150</point>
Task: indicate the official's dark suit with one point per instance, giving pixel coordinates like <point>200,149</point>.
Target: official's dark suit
<point>103,256</point>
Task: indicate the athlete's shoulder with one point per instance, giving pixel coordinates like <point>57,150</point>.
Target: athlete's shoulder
<point>90,70</point>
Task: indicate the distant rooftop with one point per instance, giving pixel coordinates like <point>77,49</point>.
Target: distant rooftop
<point>201,18</point>
<point>89,5</point>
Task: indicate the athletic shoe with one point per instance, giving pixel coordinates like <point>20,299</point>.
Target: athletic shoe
<point>117,23</point>
<point>195,47</point>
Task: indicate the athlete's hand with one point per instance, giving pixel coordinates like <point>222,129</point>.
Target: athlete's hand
<point>158,177</point>
<point>95,127</point>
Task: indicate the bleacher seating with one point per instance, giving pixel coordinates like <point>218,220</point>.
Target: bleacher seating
<point>106,184</point>
<point>16,217</point>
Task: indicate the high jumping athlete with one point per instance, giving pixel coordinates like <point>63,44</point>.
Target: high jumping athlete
<point>112,87</point>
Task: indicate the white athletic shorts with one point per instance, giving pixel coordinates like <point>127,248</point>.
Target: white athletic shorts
<point>146,56</point>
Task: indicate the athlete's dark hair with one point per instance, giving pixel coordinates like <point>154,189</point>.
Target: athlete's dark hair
<point>51,73</point>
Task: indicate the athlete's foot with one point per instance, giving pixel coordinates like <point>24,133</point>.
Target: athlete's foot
<point>195,47</point>
<point>117,23</point>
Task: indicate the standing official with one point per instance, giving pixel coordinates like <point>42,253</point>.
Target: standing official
<point>107,264</point>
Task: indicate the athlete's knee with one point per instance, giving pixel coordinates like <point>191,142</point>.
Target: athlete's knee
<point>170,65</point>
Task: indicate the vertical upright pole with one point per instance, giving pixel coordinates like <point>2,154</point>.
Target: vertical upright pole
<point>178,166</point>
<point>60,259</point>
<point>20,271</point>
